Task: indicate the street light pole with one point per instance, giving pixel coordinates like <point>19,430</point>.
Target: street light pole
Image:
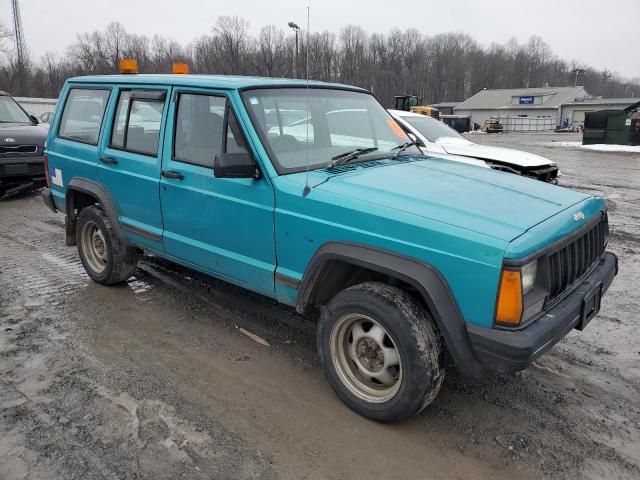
<point>296,29</point>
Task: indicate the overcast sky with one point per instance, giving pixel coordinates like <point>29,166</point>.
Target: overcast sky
<point>601,33</point>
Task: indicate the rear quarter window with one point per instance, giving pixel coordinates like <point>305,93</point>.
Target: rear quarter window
<point>83,114</point>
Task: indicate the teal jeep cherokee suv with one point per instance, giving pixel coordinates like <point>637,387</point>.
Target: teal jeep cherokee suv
<point>311,194</point>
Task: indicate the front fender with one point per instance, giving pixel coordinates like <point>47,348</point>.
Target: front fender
<point>432,286</point>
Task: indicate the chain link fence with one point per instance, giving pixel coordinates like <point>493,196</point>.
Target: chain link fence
<point>528,124</point>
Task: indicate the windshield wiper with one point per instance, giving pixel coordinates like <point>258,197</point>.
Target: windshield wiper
<point>403,147</point>
<point>348,156</point>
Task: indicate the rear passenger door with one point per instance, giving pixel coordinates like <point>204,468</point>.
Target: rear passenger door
<point>223,226</point>
<point>129,164</point>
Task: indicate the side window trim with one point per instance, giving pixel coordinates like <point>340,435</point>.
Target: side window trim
<point>137,94</point>
<point>242,141</point>
<point>225,126</point>
<point>108,88</point>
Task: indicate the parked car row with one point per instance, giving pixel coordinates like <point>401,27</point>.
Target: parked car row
<point>316,196</point>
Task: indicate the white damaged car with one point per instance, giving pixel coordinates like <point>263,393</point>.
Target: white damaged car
<point>437,138</point>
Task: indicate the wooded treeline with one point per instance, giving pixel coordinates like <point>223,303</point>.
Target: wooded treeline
<point>442,67</point>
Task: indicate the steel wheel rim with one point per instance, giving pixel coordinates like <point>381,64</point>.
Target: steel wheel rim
<point>366,358</point>
<point>94,247</point>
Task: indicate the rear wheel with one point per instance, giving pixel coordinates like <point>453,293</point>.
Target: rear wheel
<point>380,351</point>
<point>103,254</point>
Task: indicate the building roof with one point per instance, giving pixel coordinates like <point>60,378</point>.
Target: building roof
<point>444,104</point>
<point>503,98</point>
<point>235,82</point>
<point>622,102</point>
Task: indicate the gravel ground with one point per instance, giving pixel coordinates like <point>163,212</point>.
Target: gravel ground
<point>154,379</point>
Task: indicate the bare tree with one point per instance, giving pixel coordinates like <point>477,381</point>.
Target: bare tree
<point>444,67</point>
<point>270,52</point>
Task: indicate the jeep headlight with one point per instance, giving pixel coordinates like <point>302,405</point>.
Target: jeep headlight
<point>529,272</point>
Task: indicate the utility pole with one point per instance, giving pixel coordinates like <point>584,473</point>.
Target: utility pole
<point>577,71</point>
<point>17,33</point>
<point>296,29</point>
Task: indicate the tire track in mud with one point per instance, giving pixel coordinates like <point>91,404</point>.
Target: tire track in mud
<point>56,419</point>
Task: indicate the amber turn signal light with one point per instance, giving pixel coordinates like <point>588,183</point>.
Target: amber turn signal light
<point>180,68</point>
<point>509,309</point>
<point>128,65</point>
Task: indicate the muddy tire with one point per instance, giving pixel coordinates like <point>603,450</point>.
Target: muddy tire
<point>103,254</point>
<point>380,351</point>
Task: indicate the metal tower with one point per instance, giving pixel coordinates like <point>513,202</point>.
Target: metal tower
<point>17,32</point>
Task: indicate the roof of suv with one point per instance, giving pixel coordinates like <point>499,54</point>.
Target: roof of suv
<point>237,82</point>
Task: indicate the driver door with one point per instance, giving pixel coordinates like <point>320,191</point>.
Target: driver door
<point>223,226</point>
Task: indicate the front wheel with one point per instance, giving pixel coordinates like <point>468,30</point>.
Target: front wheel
<point>381,351</point>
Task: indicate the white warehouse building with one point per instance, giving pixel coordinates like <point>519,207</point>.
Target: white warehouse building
<point>522,109</point>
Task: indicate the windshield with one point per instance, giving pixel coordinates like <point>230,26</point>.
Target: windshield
<point>432,129</point>
<point>10,111</point>
<point>327,124</point>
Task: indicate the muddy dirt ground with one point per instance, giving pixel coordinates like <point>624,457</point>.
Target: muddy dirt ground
<point>153,379</point>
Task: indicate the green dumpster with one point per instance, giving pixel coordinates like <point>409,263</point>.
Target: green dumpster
<point>617,127</point>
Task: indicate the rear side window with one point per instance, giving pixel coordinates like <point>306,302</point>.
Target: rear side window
<point>205,127</point>
<point>136,125</point>
<point>83,114</point>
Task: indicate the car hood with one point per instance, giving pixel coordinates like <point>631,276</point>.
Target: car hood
<point>22,134</point>
<point>494,203</point>
<point>497,154</point>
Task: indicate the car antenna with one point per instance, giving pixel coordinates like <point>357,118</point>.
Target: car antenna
<point>307,189</point>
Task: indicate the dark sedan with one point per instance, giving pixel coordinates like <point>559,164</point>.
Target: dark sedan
<point>21,148</point>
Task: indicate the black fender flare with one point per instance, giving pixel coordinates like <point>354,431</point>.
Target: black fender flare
<point>97,190</point>
<point>425,278</point>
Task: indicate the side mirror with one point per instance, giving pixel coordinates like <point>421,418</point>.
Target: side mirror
<point>34,119</point>
<point>235,165</point>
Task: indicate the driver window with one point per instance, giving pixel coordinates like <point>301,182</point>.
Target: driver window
<point>199,127</point>
<point>201,132</point>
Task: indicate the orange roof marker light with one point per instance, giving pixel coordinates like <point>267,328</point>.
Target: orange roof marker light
<point>128,65</point>
<point>180,68</point>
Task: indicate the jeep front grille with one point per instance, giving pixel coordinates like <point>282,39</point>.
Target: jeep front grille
<point>17,149</point>
<point>572,260</point>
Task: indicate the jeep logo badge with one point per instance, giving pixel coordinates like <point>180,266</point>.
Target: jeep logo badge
<point>577,216</point>
<point>10,140</point>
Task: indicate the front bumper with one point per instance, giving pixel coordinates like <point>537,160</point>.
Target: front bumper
<point>511,351</point>
<point>16,169</point>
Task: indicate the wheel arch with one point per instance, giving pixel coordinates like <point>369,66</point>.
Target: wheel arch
<point>82,192</point>
<point>426,279</point>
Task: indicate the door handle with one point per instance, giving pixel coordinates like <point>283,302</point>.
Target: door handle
<point>109,160</point>
<point>172,174</point>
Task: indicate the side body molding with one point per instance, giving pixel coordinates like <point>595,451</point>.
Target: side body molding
<point>97,190</point>
<point>427,280</point>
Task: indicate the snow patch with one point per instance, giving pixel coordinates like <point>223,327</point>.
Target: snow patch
<point>138,286</point>
<point>600,147</point>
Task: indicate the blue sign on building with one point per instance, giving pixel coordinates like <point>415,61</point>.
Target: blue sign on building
<point>526,100</point>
